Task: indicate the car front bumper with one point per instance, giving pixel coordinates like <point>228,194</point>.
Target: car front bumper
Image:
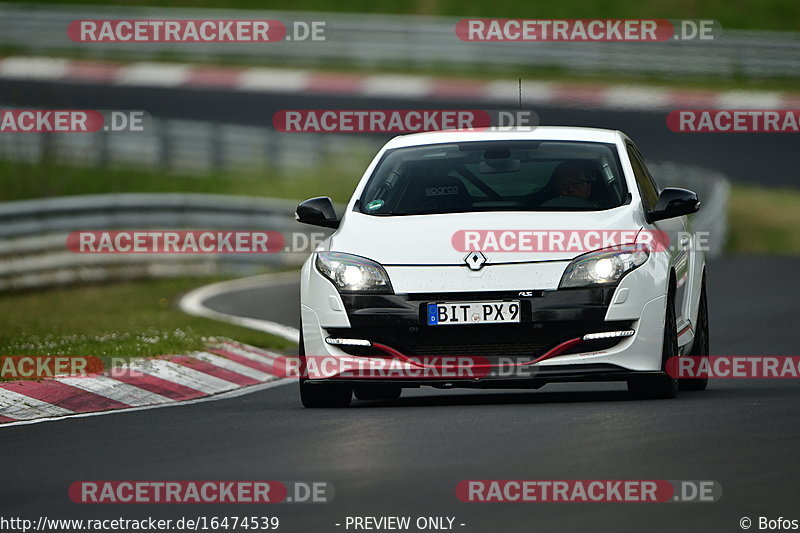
<point>395,344</point>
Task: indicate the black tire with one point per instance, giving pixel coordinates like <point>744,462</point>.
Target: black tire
<point>377,392</point>
<point>325,395</point>
<point>661,386</point>
<point>321,395</point>
<point>701,340</point>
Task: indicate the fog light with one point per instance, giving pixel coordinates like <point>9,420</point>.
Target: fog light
<point>348,342</point>
<point>608,335</point>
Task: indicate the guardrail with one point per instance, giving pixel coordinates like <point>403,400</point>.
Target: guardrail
<point>33,236</point>
<point>33,233</point>
<point>407,42</point>
<point>194,146</point>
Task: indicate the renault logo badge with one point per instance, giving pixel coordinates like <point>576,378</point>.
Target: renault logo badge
<point>475,260</point>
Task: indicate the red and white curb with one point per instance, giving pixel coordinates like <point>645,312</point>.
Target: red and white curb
<point>279,80</point>
<point>225,367</point>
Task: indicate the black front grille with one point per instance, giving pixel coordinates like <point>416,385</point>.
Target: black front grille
<point>524,341</point>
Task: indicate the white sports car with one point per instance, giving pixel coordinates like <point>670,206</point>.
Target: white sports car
<point>502,259</point>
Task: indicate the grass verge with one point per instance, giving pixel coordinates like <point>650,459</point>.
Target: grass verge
<point>23,181</point>
<point>764,220</point>
<point>126,319</point>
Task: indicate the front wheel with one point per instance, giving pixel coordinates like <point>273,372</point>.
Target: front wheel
<point>661,385</point>
<point>320,395</point>
<point>700,344</point>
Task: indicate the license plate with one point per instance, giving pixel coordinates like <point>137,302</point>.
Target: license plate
<point>464,313</point>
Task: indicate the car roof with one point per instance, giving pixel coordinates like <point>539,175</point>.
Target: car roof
<point>550,133</point>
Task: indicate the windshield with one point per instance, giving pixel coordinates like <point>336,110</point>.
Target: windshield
<point>496,176</point>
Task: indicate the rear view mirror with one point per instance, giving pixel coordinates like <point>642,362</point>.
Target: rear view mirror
<point>498,166</point>
<point>317,212</point>
<point>673,202</point>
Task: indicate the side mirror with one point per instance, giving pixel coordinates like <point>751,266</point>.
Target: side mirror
<point>673,202</point>
<point>317,212</point>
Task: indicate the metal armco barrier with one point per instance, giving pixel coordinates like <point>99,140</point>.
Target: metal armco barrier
<point>33,235</point>
<point>192,147</point>
<point>406,41</point>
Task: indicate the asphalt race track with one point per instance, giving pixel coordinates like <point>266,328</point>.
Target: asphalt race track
<point>761,158</point>
<point>405,457</point>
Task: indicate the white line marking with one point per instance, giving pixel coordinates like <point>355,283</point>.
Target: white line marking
<point>273,80</point>
<point>153,74</point>
<point>391,85</point>
<point>115,390</point>
<point>508,91</point>
<point>625,97</point>
<point>21,407</point>
<point>749,100</point>
<point>39,68</point>
<point>192,303</point>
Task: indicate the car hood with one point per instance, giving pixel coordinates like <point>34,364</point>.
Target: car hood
<point>439,239</point>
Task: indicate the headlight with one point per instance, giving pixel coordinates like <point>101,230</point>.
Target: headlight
<point>351,273</point>
<point>604,267</point>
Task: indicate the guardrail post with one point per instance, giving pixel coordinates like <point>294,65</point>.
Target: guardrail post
<point>165,143</point>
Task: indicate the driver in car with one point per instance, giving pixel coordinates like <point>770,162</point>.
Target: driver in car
<point>572,181</point>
